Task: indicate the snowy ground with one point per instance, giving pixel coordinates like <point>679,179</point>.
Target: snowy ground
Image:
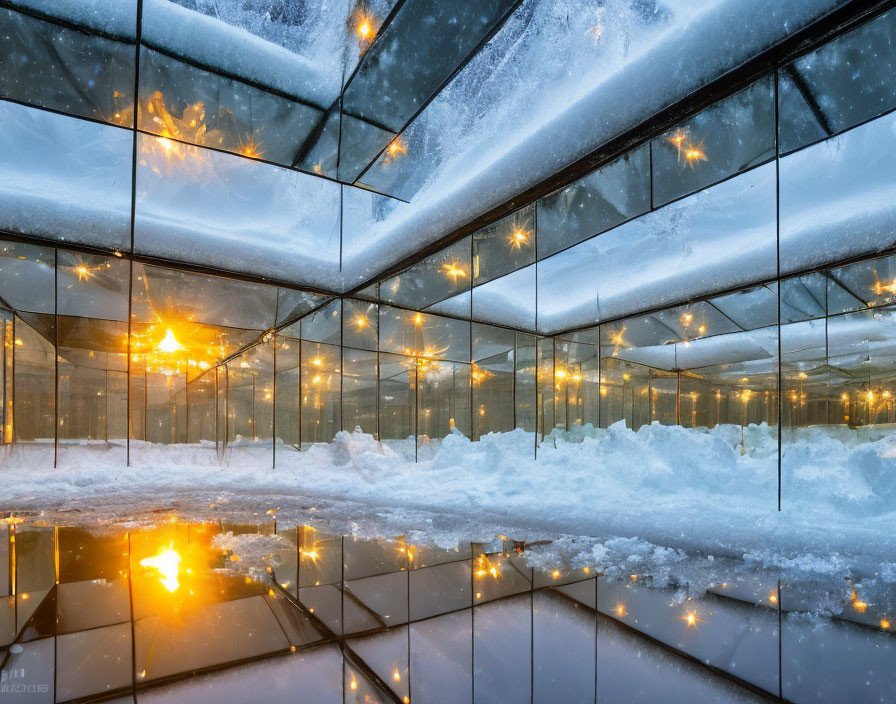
<point>658,497</point>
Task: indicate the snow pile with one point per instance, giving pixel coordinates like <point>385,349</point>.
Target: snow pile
<point>694,489</point>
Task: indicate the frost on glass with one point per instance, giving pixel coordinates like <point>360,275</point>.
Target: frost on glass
<point>235,214</point>
<point>714,240</point>
<point>180,101</point>
<point>602,199</point>
<point>845,82</point>
<point>838,197</point>
<point>726,138</point>
<point>429,41</point>
<point>64,179</point>
<point>67,70</point>
<point>508,300</point>
<point>298,49</point>
<point>324,324</point>
<point>504,246</point>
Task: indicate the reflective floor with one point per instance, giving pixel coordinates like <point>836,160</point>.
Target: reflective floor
<point>178,611</point>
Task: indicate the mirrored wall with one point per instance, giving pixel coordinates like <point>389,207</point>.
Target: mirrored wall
<point>141,363</point>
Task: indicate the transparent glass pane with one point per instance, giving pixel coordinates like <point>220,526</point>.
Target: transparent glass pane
<point>726,138</point>
<point>847,81</point>
<point>604,198</point>
<point>75,72</point>
<point>64,179</point>
<point>837,197</point>
<point>504,246</point>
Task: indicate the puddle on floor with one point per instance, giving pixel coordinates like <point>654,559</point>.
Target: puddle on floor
<point>172,610</point>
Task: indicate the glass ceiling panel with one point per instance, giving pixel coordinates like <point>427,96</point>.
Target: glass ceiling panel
<point>63,178</point>
<point>714,240</point>
<point>236,214</point>
<point>416,53</point>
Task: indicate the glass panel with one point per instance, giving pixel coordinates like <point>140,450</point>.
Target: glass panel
<point>183,102</point>
<point>235,214</point>
<point>718,239</point>
<point>443,397</point>
<point>27,277</point>
<point>435,278</point>
<point>398,403</point>
<point>321,388</point>
<point>604,198</point>
<point>509,300</point>
<point>842,84</point>
<point>92,305</point>
<point>424,335</point>
<point>525,387</point>
<point>71,71</point>
<point>837,197</point>
<point>504,246</point>
<point>731,136</point>
<point>493,380</point>
<point>379,95</point>
<point>288,396</point>
<point>359,391</point>
<point>183,326</point>
<point>64,178</point>
<point>361,324</point>
<point>323,325</point>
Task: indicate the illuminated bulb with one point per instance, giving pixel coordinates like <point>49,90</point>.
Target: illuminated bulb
<point>353,684</point>
<point>884,624</point>
<point>844,396</point>
<point>860,606</point>
<point>83,272</point>
<point>560,374</point>
<point>687,318</point>
<point>203,365</point>
<point>773,598</point>
<point>576,377</point>
<point>691,618</point>
<point>518,238</point>
<point>555,574</point>
<point>364,28</point>
<point>19,342</point>
<point>25,596</point>
<point>395,149</point>
<point>418,319</point>
<point>586,570</point>
<point>167,564</point>
<point>870,396</point>
<point>620,610</point>
<point>885,394</point>
<point>406,700</point>
<point>694,154</point>
<point>626,377</point>
<point>169,343</point>
<point>396,676</point>
<point>317,361</point>
<point>478,595</point>
<point>361,321</point>
<point>603,390</point>
<point>702,330</point>
<point>802,375</point>
<point>633,577</point>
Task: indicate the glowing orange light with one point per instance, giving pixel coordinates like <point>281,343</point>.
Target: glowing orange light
<point>25,596</point>
<point>454,271</point>
<point>19,342</point>
<point>83,272</point>
<point>396,676</point>
<point>702,330</point>
<point>353,684</point>
<point>844,396</point>
<point>418,319</point>
<point>361,321</point>
<point>555,574</point>
<point>686,319</point>
<point>396,149</point>
<point>885,394</point>
<point>560,374</point>
<point>252,149</point>
<point>773,598</point>
<point>518,238</point>
<point>620,609</point>
<point>317,361</point>
<point>693,154</point>
<point>870,396</point>
<point>626,377</point>
<point>169,343</point>
<point>586,570</point>
<point>859,606</point>
<point>167,563</point>
<point>884,624</point>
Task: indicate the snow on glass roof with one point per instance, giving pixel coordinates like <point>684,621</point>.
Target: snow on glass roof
<point>446,112</point>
